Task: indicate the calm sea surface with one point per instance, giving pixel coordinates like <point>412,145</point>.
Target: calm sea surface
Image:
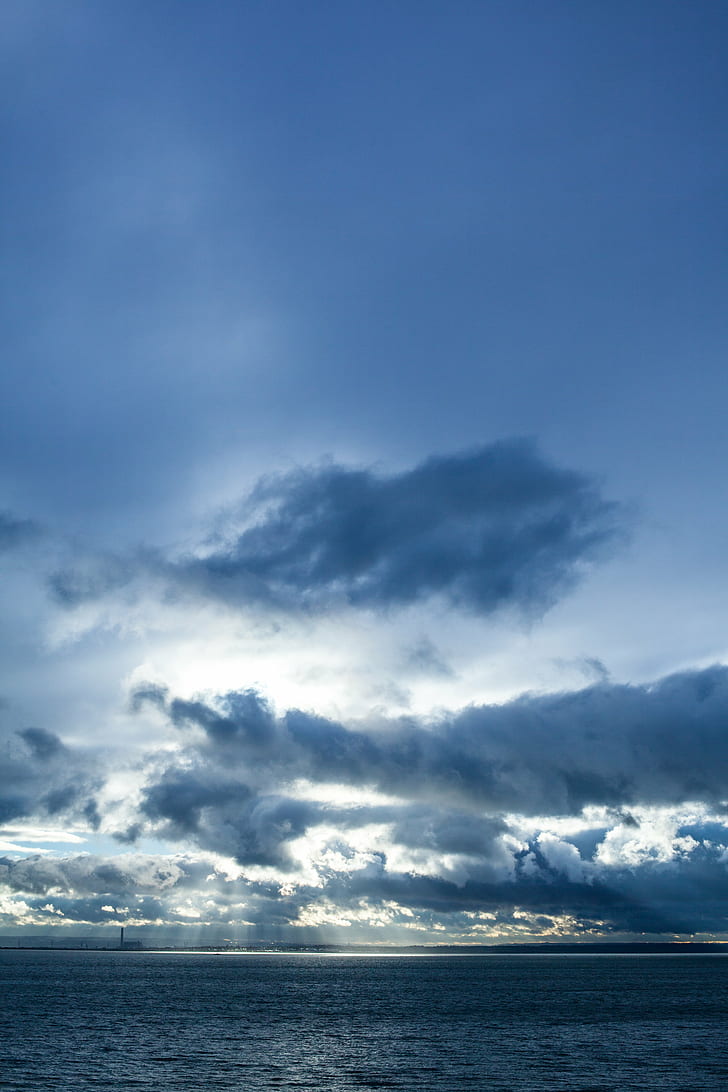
<point>592,1023</point>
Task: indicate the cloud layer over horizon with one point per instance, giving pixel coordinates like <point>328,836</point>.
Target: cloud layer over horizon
<point>598,809</point>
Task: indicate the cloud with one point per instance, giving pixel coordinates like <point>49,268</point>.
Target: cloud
<point>39,776</point>
<point>498,526</point>
<point>14,532</point>
<point>563,812</point>
<point>461,823</point>
<point>101,890</point>
<point>116,877</point>
<point>492,528</point>
<point>42,743</point>
<point>543,893</point>
<point>611,745</point>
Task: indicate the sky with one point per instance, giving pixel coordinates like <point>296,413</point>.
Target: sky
<point>362,477</point>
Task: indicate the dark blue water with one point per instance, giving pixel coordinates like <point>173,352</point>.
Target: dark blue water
<point>105,1020</point>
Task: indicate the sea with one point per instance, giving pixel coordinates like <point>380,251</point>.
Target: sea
<point>74,1020</point>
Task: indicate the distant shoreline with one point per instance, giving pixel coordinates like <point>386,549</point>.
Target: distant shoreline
<point>546,948</point>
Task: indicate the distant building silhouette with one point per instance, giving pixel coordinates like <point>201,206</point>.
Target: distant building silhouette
<point>129,945</point>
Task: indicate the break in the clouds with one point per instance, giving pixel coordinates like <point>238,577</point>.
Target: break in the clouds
<point>496,527</point>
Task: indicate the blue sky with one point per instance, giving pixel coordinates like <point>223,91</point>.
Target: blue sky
<point>362,469</point>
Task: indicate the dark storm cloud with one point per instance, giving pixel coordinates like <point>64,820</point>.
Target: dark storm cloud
<point>489,528</point>
<point>609,745</point>
<point>616,910</point>
<point>495,527</point>
<point>248,718</point>
<point>256,828</point>
<point>40,776</point>
<point>228,817</point>
<point>42,743</point>
<point>446,897</point>
<point>691,893</point>
<point>180,798</point>
<point>683,896</point>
